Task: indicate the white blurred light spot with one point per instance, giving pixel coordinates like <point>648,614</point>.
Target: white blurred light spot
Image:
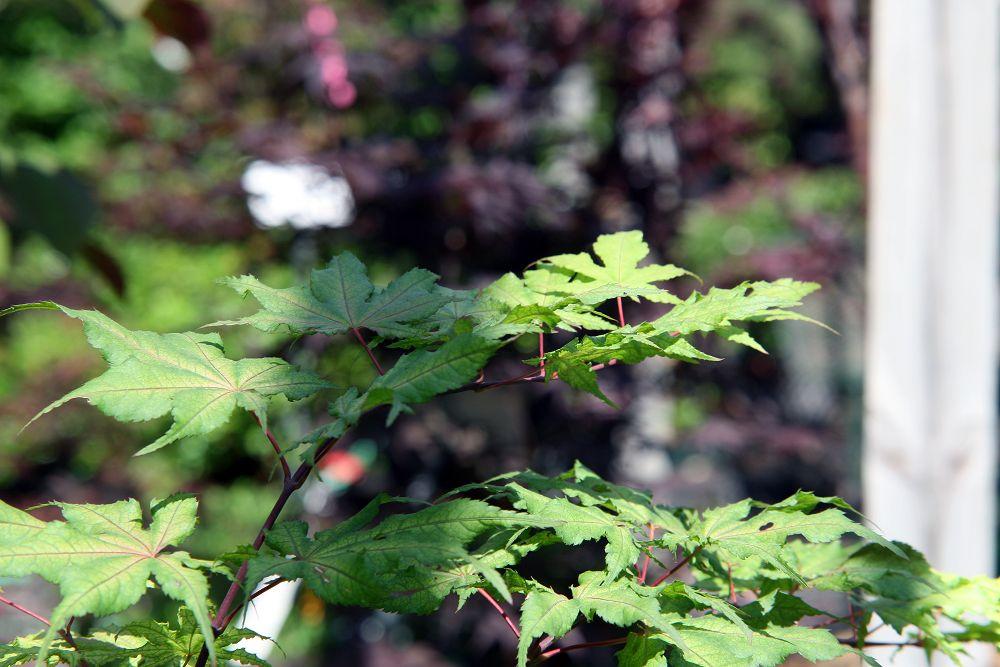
<point>171,54</point>
<point>371,630</point>
<point>298,194</point>
<point>574,97</point>
<point>266,615</point>
<point>738,240</point>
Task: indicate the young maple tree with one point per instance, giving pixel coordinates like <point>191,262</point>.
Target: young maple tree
<point>713,588</point>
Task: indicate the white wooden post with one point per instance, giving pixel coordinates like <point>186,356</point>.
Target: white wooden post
<point>931,351</point>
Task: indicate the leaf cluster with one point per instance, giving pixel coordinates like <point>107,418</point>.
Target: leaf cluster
<point>743,565</point>
<point>737,605</point>
<point>142,643</point>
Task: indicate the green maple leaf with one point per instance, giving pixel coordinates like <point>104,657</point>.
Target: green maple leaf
<point>619,274</point>
<point>703,600</point>
<point>164,645</point>
<point>643,650</point>
<point>727,530</point>
<point>871,567</point>
<point>146,643</point>
<point>715,312</point>
<point>544,612</point>
<point>623,602</point>
<point>102,557</point>
<point>417,377</point>
<point>406,563</point>
<point>575,524</point>
<point>340,298</point>
<point>573,362</point>
<point>711,641</point>
<point>545,299</point>
<point>99,650</point>
<point>718,309</point>
<point>185,375</point>
<point>780,609</point>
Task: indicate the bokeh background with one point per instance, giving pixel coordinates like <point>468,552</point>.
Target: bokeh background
<point>148,148</point>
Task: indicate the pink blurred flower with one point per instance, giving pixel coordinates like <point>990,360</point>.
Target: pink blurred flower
<point>333,70</point>
<point>321,20</point>
<point>342,95</point>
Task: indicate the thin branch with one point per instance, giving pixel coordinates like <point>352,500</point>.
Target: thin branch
<point>480,383</point>
<point>732,586</point>
<point>371,355</point>
<point>496,605</point>
<point>621,313</point>
<point>66,633</point>
<point>286,471</point>
<point>645,562</point>
<point>542,657</point>
<point>672,571</point>
<point>541,350</point>
<point>292,484</point>
<point>253,596</point>
<point>830,621</point>
<point>24,610</point>
<point>850,642</point>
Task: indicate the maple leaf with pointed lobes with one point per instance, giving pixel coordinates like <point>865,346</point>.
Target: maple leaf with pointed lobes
<point>714,312</point>
<point>146,643</point>
<point>780,609</point>
<point>102,557</point>
<point>417,377</point>
<point>627,345</point>
<point>166,645</point>
<point>728,530</point>
<point>96,651</point>
<point>619,274</point>
<point>711,641</point>
<point>183,374</point>
<point>544,612</point>
<point>717,310</point>
<point>643,650</point>
<point>575,524</point>
<point>406,563</point>
<point>548,291</point>
<point>623,602</point>
<point>339,298</point>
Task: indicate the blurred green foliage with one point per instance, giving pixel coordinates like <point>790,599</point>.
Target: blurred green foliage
<point>484,134</point>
